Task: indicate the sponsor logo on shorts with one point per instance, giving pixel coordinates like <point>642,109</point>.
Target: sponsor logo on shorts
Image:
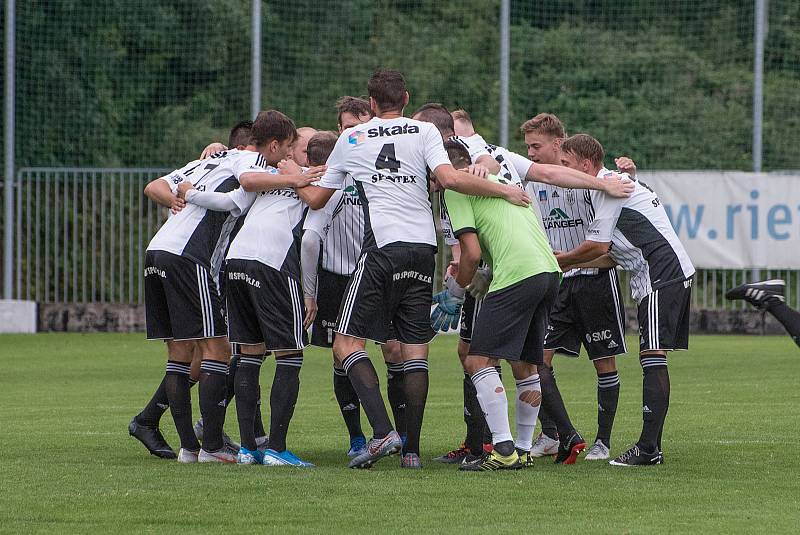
<point>239,276</point>
<point>598,336</point>
<point>412,275</point>
<point>152,270</point>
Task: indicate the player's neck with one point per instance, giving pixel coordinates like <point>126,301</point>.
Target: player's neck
<point>386,115</point>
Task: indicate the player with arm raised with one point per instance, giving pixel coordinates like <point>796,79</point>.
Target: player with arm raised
<point>389,158</point>
<point>636,234</point>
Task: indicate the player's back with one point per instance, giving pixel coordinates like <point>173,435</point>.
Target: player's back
<point>389,160</point>
<point>196,232</point>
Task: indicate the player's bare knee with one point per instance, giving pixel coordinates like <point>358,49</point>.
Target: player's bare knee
<point>606,365</point>
<point>548,357</point>
<point>218,349</point>
<point>253,349</point>
<point>181,350</point>
<point>413,352</point>
<point>523,370</point>
<point>392,352</point>
<point>463,351</point>
<point>344,345</point>
<point>475,363</point>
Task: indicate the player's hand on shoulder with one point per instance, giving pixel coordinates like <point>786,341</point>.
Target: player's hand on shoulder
<point>478,170</point>
<point>183,187</point>
<point>618,186</point>
<point>626,165</point>
<point>517,196</point>
<point>212,149</point>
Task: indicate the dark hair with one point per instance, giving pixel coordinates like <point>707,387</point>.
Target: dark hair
<point>584,147</point>
<point>355,106</point>
<point>438,116</point>
<point>458,154</point>
<point>240,134</point>
<point>320,147</point>
<point>271,125</point>
<point>544,123</point>
<point>388,88</point>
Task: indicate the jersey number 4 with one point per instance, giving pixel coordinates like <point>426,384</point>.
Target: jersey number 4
<point>387,159</point>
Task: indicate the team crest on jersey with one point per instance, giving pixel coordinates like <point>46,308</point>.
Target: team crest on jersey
<point>356,137</point>
<point>542,195</point>
<point>570,196</point>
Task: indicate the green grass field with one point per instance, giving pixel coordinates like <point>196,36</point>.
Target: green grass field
<point>68,464</point>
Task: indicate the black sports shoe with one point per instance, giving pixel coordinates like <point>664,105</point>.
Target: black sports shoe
<point>454,456</point>
<point>525,458</point>
<point>637,457</point>
<point>152,439</point>
<point>492,462</point>
<point>759,294</point>
<point>569,449</point>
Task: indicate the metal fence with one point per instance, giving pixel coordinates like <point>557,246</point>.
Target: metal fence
<point>81,233</point>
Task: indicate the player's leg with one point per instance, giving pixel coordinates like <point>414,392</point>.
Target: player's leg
<point>178,387</point>
<point>769,296</point>
<point>395,392</point>
<point>547,441</point>
<point>247,394</point>
<point>282,401</point>
<point>213,393</point>
<point>528,401</point>
<point>363,316</point>
<point>608,386</point>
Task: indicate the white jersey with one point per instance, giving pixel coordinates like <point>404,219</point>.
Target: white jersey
<point>272,228</point>
<point>195,232</point>
<point>340,223</point>
<point>642,239</point>
<point>389,161</point>
<point>565,213</point>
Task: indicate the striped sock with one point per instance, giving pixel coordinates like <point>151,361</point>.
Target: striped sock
<point>364,379</point>
<point>247,388</point>
<point>283,398</point>
<point>213,400</point>
<point>176,384</point>
<point>607,399</point>
<point>348,402</point>
<point>655,400</point>
<point>395,392</point>
<point>415,387</point>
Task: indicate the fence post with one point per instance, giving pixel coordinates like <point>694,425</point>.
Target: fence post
<point>255,59</point>
<point>505,50</point>
<point>8,232</point>
<point>758,93</point>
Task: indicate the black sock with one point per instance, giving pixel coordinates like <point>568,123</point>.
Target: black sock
<point>473,417</point>
<point>554,404</point>
<point>655,400</point>
<point>415,386</point>
<point>230,384</point>
<point>348,402</point>
<point>607,399</point>
<point>155,408</point>
<point>505,448</point>
<point>789,318</point>
<point>213,397</point>
<point>364,379</point>
<point>258,422</point>
<point>283,398</point>
<point>176,385</point>
<point>247,393</point>
<point>396,394</point>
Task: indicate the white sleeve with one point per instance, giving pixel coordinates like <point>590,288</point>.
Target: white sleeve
<point>247,164</point>
<point>320,220</point>
<point>435,155</point>
<point>234,201</point>
<point>309,261</point>
<point>179,175</point>
<point>337,170</point>
<point>520,163</point>
<point>606,214</point>
<point>476,146</point>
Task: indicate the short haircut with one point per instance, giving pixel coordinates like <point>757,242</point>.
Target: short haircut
<point>388,88</point>
<point>320,147</point>
<point>438,116</point>
<point>271,125</point>
<point>458,154</point>
<point>355,106</point>
<point>240,134</point>
<point>584,147</point>
<point>544,123</point>
<point>461,115</point>
<point>303,130</point>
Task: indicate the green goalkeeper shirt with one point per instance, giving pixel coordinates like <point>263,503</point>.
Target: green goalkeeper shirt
<point>512,240</point>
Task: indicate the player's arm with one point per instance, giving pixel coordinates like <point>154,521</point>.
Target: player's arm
<point>236,202</point>
<point>450,178</point>
<point>489,163</point>
<point>601,262</point>
<point>559,175</point>
<point>255,181</point>
<point>470,258</point>
<point>160,192</point>
<point>598,234</point>
<point>626,165</point>
<point>309,260</point>
<point>587,252</point>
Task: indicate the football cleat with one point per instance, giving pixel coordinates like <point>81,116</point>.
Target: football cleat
<point>471,459</point>
<point>357,446</point>
<point>637,457</point>
<point>152,439</point>
<point>221,456</point>
<point>759,294</point>
<point>284,458</point>
<point>410,460</point>
<point>454,456</point>
<point>187,456</point>
<point>246,456</point>
<point>598,452</point>
<point>262,443</point>
<point>491,462</point>
<point>569,449</point>
<point>230,444</point>
<point>544,445</point>
<point>525,459</point>
<point>377,448</point>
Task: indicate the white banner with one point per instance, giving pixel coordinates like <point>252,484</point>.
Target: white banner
<point>733,220</point>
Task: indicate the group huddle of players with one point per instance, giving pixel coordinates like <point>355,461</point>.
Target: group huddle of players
<point>287,229</point>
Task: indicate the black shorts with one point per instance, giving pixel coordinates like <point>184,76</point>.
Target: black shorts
<point>330,292</point>
<point>664,318</point>
<point>469,311</point>
<point>264,306</point>
<point>181,299</point>
<point>391,285</point>
<point>588,312</point>
<point>511,323</point>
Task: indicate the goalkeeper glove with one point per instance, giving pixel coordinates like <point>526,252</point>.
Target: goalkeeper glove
<point>480,283</point>
<point>448,302</point>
